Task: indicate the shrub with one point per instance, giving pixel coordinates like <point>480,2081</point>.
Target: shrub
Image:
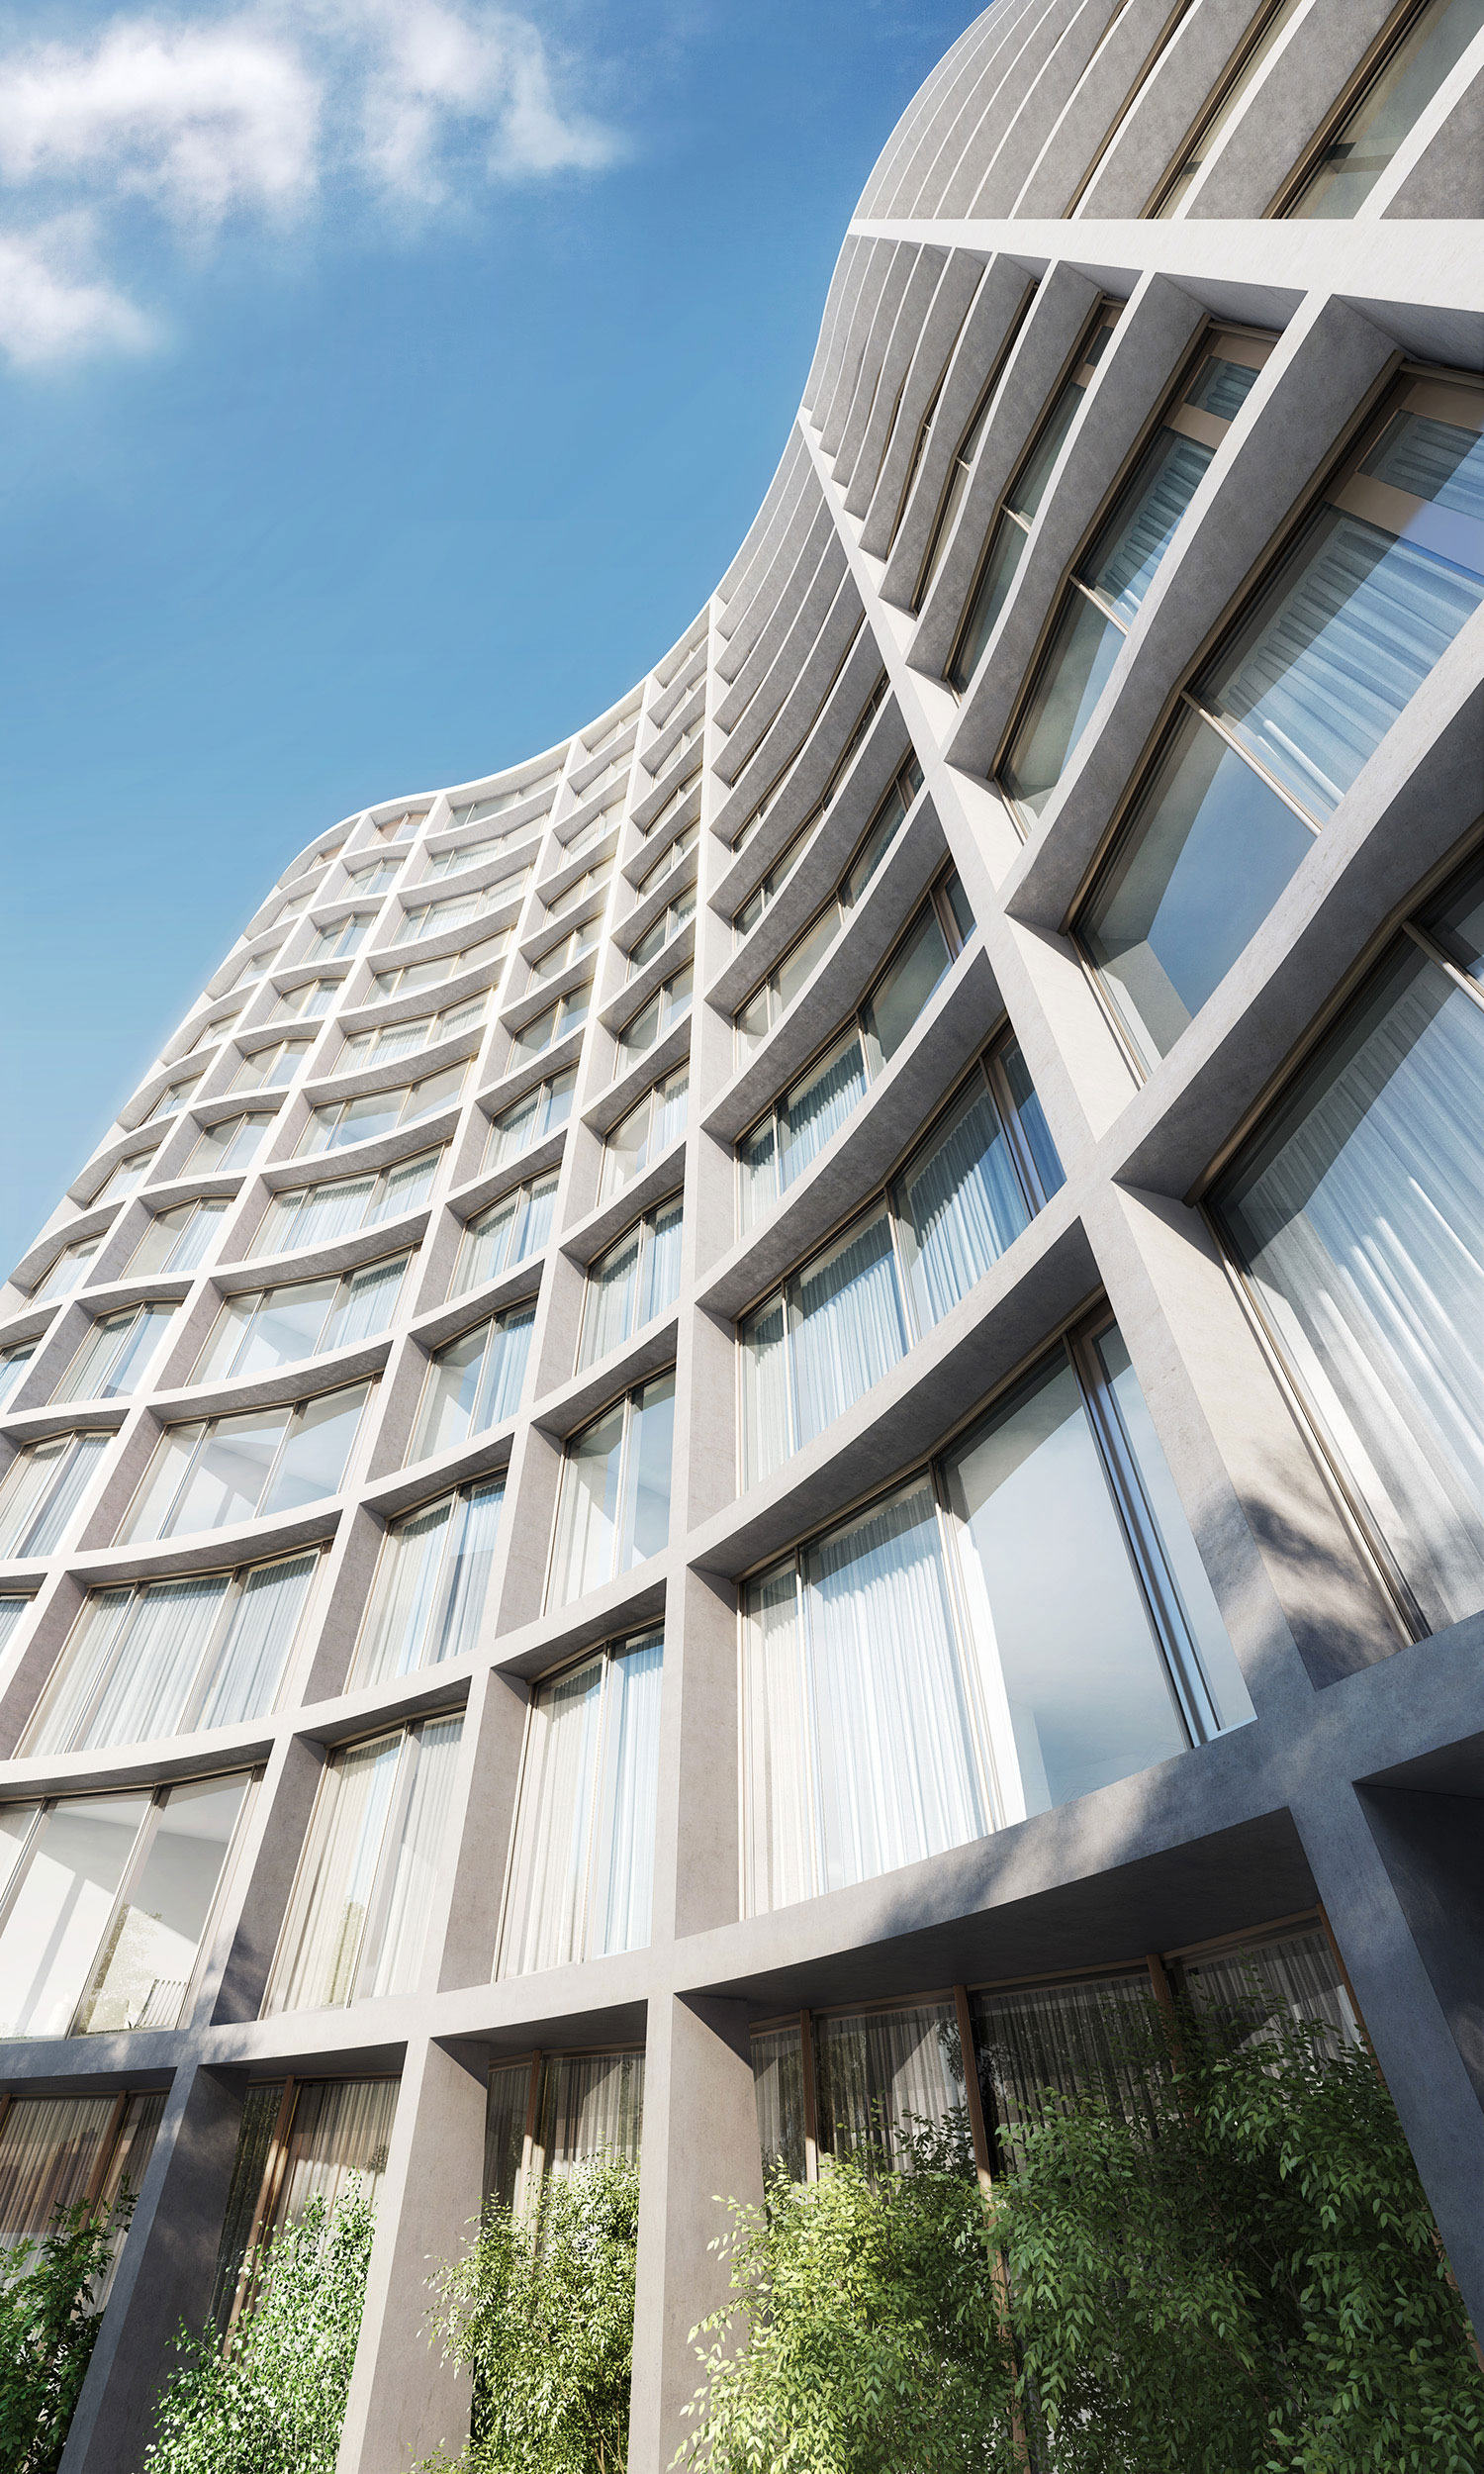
<point>273,2403</point>
<point>541,2310</point>
<point>47,2330</point>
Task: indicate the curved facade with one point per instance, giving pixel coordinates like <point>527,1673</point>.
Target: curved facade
<point>817,1357</point>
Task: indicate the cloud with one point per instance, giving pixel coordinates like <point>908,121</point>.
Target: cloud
<point>273,111</point>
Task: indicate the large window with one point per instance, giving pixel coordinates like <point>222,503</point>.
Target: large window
<point>1358,1216</point>
<point>547,2114</point>
<point>530,1120</point>
<point>113,1358</point>
<point>1277,727</point>
<point>124,1176</point>
<point>13,1366</point>
<point>1020,507</point>
<point>265,1328</point>
<point>645,1134</point>
<point>434,918</point>
<point>756,1016</point>
<point>614,1508</point>
<point>673,856</point>
<point>228,1144</point>
<point>415,976</point>
<point>107,1902</point>
<point>69,1269</point>
<point>797,1128</point>
<point>307,1003</point>
<point>315,1215</point>
<point>544,1030</point>
<point>56,2151</point>
<point>669,1004</point>
<point>468,854</point>
<point>361,1912</point>
<point>566,951</point>
<point>43,1488</point>
<point>515,1226</point>
<point>167,1656</point>
<point>1429,41</point>
<point>405,1039</point>
<point>174,1096</point>
<point>427,1600</point>
<point>582,1867</point>
<point>345,936</point>
<point>179,1240</point>
<point>943,1664</point>
<point>846,1318</point>
<point>268,1068</point>
<point>381,1112</point>
<point>300,2140</point>
<point>1108,587</point>
<point>473,1381</point>
<point>662,931</point>
<point>635,1280</point>
<point>212,1471</point>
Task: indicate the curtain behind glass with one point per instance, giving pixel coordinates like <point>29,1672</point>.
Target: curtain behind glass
<point>399,1624</point>
<point>765,1422</point>
<point>1295,1976</point>
<point>1098,2038</point>
<point>260,2109</point>
<point>470,1553</point>
<point>592,2105</point>
<point>396,1965</point>
<point>778,1788</point>
<point>1362,1221</point>
<point>157,1659</point>
<point>778,2084</point>
<point>619,1909</point>
<point>49,2149</point>
<point>553,1830</point>
<point>504,2128</point>
<point>321,1934</point>
<point>846,1326</point>
<point>366,1304</point>
<point>611,1287</point>
<point>251,1662</point>
<point>815,1110</point>
<point>887,2074</point>
<point>86,1661</point>
<point>962,1206</point>
<point>341,2127</point>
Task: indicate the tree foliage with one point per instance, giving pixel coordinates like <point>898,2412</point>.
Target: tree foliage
<point>48,2324</point>
<point>541,2310</point>
<point>274,2402</point>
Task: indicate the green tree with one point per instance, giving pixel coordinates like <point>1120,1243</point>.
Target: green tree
<point>541,2310</point>
<point>48,2324</point>
<point>274,2402</point>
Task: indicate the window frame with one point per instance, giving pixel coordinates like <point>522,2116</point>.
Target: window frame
<point>364,1383</point>
<point>627,1399</point>
<point>644,1223</point>
<point>345,1285</point>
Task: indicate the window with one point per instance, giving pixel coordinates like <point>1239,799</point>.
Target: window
<point>376,878</point>
<point>540,1112</point>
<point>580,2104</point>
<point>12,1605</point>
<point>212,1473</point>
<point>178,1240</point>
<point>435,918</point>
<point>57,2151</point>
<point>498,803</point>
<point>755,1019</point>
<point>172,1656</point>
<point>1020,507</point>
<point>660,931</point>
<point>68,1271</point>
<point>648,1130</point>
<point>418,975</point>
<point>402,828</point>
<point>362,1908</point>
<point>597,829</point>
<point>268,1068</point>
<point>308,1002</point>
<point>941,1663</point>
<point>566,951</point>
<point>315,1215</point>
<point>473,1381</point>
<point>107,1905</point>
<point>669,1005</point>
<point>345,936</point>
<point>216,1029</point>
<point>879,2076</point>
<point>965,457</point>
<point>300,2140</point>
<point>380,1112</point>
<point>228,1144</point>
<point>1276,728</point>
<point>811,1349</point>
<point>515,1226</point>
<point>685,789</point>
<point>172,1098</point>
<point>13,1365</point>
<point>1431,41</point>
<point>115,1354</point>
<point>427,1599</point>
<point>404,1039</point>
<point>798,1128</point>
<point>584,887</point>
<point>558,1023</point>
<point>1107,590</point>
<point>763,896</point>
<point>582,1865</point>
<point>613,1508</point>
<point>43,1488</point>
<point>673,856</point>
<point>265,1328</point>
<point>1356,1216</point>
<point>466,854</point>
<point>124,1176</point>
<point>1228,100</point>
<point>635,1280</point>
<point>256,967</point>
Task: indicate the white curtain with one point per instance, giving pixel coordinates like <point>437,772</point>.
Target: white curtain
<point>591,2104</point>
<point>50,1483</point>
<point>816,1110</point>
<point>320,1945</point>
<point>609,1314</point>
<point>155,1663</point>
<point>846,1327</point>
<point>777,1774</point>
<point>554,1827</point>
<point>898,1778</point>
<point>482,1253</point>
<point>341,2127</point>
<point>403,1190</point>
<point>777,2086</point>
<point>504,2128</point>
<point>466,1578</point>
<point>887,2073</point>
<point>396,1965</point>
<point>662,1263</point>
<point>620,1910</point>
<point>366,1304</point>
<point>587,1509</point>
<point>1362,1224</point>
<point>1094,2039</point>
<point>251,1662</point>
<point>404,1596</point>
<point>49,2147</point>
<point>1128,560</point>
<point>508,1349</point>
<point>766,1423</point>
<point>1293,1978</point>
<point>85,1662</point>
<point>963,1205</point>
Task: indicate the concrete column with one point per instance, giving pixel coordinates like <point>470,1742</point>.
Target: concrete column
<point>165,2275</point>
<point>404,2401</point>
<point>700,2147</point>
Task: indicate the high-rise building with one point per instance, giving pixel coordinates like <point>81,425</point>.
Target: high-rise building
<point>808,1376</point>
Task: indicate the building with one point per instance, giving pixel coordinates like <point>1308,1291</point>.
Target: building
<point>817,1358</point>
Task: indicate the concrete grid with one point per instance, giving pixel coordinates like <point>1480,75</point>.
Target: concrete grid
<point>1357,1785</point>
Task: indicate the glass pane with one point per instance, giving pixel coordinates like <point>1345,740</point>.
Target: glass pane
<point>777,2083</point>
<point>166,1472</point>
<point>229,1472</point>
<point>1359,1216</point>
<point>61,1909</point>
<point>619,1915</point>
<point>591,2104</point>
<point>1082,651</point>
<point>1439,461</point>
<point>767,1437</point>
<point>1128,553</point>
<point>287,1325</point>
<point>609,1313</point>
<point>1457,923</point>
<point>60,1717</point>
<point>536,1225</point>
<point>846,1327</point>
<point>817,1107</point>
<point>1072,1678</point>
<point>646,1484</point>
<point>1089,2040</point>
<point>897,1001</point>
<point>1032,1119</point>
<point>143,1979</point>
<point>504,1368</point>
<point>399,1623</point>
<point>989,597</point>
<point>359,1119</point>
<point>887,2074</point>
<point>366,1305</point>
<point>898,1777</point>
<point>505,2130</point>
<point>1210,850</point>
<point>1363,147</point>
<point>398,1949</point>
<point>134,1357</point>
<point>873,849</point>
<point>156,1657</point>
<point>639,1034</point>
<point>1220,386</point>
<point>962,1206</point>
<point>778,1782</point>
<point>321,1943</point>
<point>87,1375</point>
<point>1294,1976</point>
<point>483,1251</point>
<point>588,1513</point>
<point>553,1835</point>
<point>626,1148</point>
<point>467,1577</point>
<point>197,1236</point>
<point>451,1392</point>
<point>342,2127</point>
<point>1030,488</point>
<point>404,1188</point>
<point>50,2151</point>
<point>250,1664</point>
<point>802,958</point>
<point>758,1178</point>
<point>660,1282</point>
<point>318,1448</point>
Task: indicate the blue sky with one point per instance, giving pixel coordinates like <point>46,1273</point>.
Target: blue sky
<point>385,384</point>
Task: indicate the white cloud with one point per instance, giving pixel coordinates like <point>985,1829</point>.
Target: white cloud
<point>51,308</point>
<point>272,111</point>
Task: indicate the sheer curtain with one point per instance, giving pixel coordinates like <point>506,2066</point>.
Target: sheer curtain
<point>62,1713</point>
<point>619,1911</point>
<point>504,2128</point>
<point>483,1251</point>
<point>366,1304</point>
<point>318,1951</point>
<point>777,1779</point>
<point>611,1287</point>
<point>1096,2039</point>
<point>662,1264</point>
<point>156,1660</point>
<point>398,1634</point>
<point>248,1668</point>
<point>1295,1976</point>
<point>341,2127</point>
<point>591,2104</point>
<point>1362,1221</point>
<point>395,1964</point>
<point>887,2074</point>
<point>846,1326</point>
<point>588,1508</point>
<point>898,1777</point>
<point>962,1206</point>
<point>1137,540</point>
<point>49,2149</point>
<point>777,2085</point>
<point>554,1827</point>
<point>816,1109</point>
<point>469,1554</point>
<point>766,1423</point>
